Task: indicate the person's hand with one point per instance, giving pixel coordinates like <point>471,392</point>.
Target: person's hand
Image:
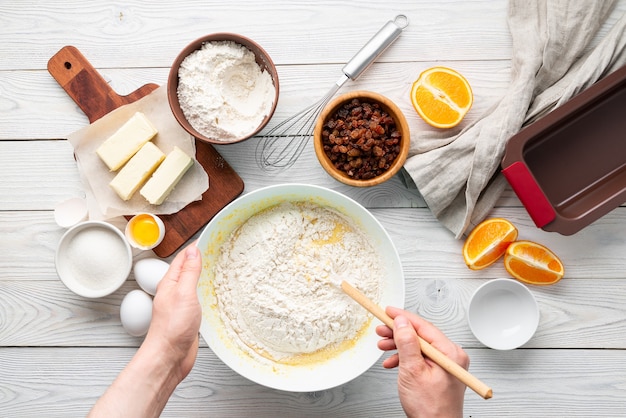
<point>425,389</point>
<point>176,312</point>
<point>169,350</point>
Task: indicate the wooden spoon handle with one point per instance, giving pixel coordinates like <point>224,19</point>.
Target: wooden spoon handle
<point>428,350</point>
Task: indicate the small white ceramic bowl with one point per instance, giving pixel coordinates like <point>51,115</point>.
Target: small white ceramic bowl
<point>93,259</point>
<point>503,314</point>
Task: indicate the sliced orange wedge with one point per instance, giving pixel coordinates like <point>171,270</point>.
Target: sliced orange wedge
<point>533,263</point>
<point>442,97</point>
<point>488,242</point>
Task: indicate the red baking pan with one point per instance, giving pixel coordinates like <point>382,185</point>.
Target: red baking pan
<point>569,167</point>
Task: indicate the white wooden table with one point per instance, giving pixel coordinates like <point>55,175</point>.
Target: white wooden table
<point>58,351</point>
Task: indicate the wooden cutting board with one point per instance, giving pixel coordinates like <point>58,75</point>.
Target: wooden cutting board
<point>96,98</point>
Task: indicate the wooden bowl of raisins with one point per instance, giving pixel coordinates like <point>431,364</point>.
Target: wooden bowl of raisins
<point>361,138</point>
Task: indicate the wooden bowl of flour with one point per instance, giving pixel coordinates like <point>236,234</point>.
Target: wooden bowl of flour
<point>223,88</point>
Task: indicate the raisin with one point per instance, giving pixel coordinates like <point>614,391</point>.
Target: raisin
<point>361,139</point>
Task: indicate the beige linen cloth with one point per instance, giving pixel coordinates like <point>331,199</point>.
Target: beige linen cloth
<point>552,61</point>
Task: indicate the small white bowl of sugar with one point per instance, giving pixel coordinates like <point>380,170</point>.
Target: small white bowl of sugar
<point>93,259</point>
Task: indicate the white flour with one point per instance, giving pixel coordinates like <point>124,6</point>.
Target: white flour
<point>276,281</point>
<point>223,92</point>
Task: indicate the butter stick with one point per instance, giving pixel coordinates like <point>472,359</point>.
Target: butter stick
<point>166,177</point>
<point>126,141</point>
<point>134,174</point>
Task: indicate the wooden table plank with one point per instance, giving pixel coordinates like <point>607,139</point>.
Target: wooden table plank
<point>59,352</point>
<point>527,383</point>
<point>426,249</point>
<point>148,30</point>
<point>578,313</point>
<point>31,93</point>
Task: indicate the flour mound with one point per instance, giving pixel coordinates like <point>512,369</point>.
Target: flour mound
<point>276,280</point>
<point>223,92</point>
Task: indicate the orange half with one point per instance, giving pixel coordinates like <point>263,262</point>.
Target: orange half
<point>533,263</point>
<point>442,97</point>
<point>487,242</point>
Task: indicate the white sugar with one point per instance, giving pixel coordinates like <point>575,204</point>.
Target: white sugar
<point>96,257</point>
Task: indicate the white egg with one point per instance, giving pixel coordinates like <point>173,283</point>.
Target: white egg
<point>136,312</point>
<point>149,272</point>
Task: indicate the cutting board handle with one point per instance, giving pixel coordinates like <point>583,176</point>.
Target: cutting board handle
<point>85,85</point>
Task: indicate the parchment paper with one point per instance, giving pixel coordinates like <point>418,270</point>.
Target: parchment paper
<point>103,202</point>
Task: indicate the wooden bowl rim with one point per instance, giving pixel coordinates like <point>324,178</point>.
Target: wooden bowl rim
<point>262,58</point>
<point>388,106</point>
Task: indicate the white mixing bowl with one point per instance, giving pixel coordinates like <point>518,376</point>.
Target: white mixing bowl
<point>317,376</point>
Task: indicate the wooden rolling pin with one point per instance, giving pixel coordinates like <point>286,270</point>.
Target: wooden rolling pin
<point>428,350</point>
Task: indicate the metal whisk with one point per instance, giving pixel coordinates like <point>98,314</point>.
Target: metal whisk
<point>280,147</point>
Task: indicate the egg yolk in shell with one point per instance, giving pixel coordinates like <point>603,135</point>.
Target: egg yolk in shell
<point>145,230</point>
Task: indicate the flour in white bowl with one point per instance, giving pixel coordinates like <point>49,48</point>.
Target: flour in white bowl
<point>223,92</point>
<point>276,282</point>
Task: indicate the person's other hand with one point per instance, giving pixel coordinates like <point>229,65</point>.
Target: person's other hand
<point>176,312</point>
<point>169,350</point>
<point>425,389</point>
